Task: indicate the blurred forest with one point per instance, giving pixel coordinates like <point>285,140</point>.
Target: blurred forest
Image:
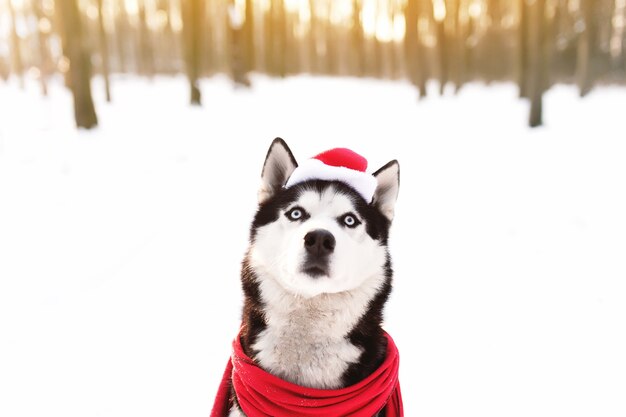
<point>534,43</point>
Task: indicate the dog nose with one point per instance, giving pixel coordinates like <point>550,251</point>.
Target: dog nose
<point>319,242</point>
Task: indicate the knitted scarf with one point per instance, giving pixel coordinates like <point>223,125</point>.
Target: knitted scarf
<point>261,394</point>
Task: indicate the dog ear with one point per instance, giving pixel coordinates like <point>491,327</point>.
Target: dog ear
<point>278,167</point>
<point>386,194</point>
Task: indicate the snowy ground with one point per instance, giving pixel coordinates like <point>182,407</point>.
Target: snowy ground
<point>120,247</point>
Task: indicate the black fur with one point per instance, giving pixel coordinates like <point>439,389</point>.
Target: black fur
<point>377,225</point>
<point>253,320</point>
<point>368,335</point>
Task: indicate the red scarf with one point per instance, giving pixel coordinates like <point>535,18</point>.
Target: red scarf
<point>261,394</point>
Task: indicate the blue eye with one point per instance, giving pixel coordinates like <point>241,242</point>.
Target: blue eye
<point>350,220</point>
<point>295,214</point>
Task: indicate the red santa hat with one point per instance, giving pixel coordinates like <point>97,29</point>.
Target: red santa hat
<point>339,164</point>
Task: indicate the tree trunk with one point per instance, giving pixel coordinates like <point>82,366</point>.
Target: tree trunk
<point>268,40</point>
<point>146,54</point>
<point>280,50</point>
<point>457,39</point>
<point>313,33</point>
<point>537,84</point>
<point>104,52</point>
<point>248,34</point>
<point>80,66</point>
<point>192,11</point>
<point>586,43</point>
<point>16,53</point>
<point>376,52</point>
<point>174,38</point>
<point>442,54</point>
<point>330,41</point>
<point>42,41</point>
<point>211,58</point>
<point>414,53</point>
<point>493,41</point>
<point>522,69</point>
<point>121,35</point>
<point>358,53</point>
<point>238,47</point>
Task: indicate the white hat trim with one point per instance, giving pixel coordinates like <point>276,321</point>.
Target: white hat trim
<point>314,169</point>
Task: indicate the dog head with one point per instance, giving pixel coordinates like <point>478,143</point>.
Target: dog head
<point>318,236</point>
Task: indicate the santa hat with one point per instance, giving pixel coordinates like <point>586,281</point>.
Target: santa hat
<point>339,164</point>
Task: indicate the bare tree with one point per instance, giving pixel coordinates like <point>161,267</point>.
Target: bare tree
<point>239,54</point>
<point>586,43</point>
<point>122,34</point>
<point>522,68</point>
<point>192,12</point>
<point>278,38</point>
<point>16,52</point>
<point>76,50</point>
<point>437,16</point>
<point>412,47</point>
<point>43,26</point>
<point>330,44</point>
<point>104,52</point>
<point>358,50</point>
<point>457,47</point>
<point>248,36</point>
<point>532,42</point>
<point>313,34</point>
<point>146,53</point>
<point>537,81</point>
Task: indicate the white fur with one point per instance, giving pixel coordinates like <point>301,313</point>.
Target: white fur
<point>309,318</point>
<point>314,169</point>
<point>387,190</point>
<point>279,250</point>
<point>235,412</point>
<point>276,170</point>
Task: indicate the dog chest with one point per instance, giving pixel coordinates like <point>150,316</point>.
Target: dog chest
<point>304,358</point>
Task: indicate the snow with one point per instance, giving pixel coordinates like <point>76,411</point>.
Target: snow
<point>120,247</point>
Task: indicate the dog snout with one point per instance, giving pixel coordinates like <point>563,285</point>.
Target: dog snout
<point>319,242</point>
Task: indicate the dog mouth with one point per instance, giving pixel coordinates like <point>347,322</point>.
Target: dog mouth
<point>316,268</point>
<point>315,271</point>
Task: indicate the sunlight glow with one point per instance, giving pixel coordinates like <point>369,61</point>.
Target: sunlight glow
<point>304,12</point>
<point>48,7</point>
<point>92,12</point>
<point>476,9</point>
<point>160,20</point>
<point>368,18</point>
<point>384,29</point>
<point>176,21</point>
<point>380,19</point>
<point>17,4</point>
<point>341,12</point>
<point>426,33</point>
<point>619,26</point>
<point>439,10</point>
<point>131,6</point>
<point>399,28</point>
<point>262,5</point>
<point>63,64</point>
<point>292,5</point>
<point>44,25</point>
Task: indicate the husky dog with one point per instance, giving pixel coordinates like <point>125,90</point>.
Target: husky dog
<point>317,275</point>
